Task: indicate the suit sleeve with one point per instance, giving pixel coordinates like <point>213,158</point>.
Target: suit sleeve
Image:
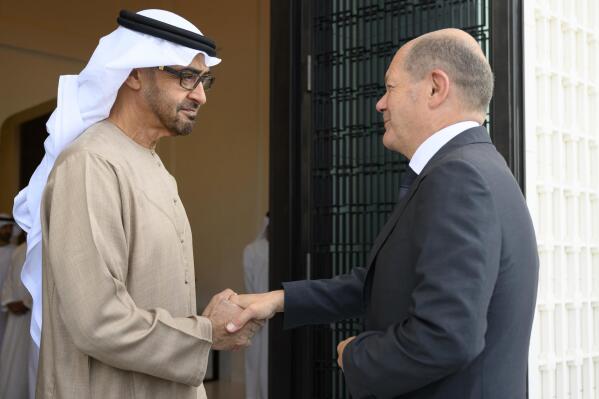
<point>324,301</point>
<point>457,240</point>
<point>88,254</point>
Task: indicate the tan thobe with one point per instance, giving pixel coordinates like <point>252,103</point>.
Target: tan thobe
<point>119,313</point>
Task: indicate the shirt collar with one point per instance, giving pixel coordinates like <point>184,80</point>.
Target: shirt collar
<point>435,142</point>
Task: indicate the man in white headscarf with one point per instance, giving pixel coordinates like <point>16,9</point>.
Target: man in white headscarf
<point>6,250</point>
<point>255,271</point>
<point>15,353</point>
<point>119,316</point>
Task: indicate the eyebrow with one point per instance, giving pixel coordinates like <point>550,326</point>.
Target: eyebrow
<point>198,71</point>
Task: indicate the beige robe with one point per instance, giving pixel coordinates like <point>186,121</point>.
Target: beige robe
<point>5,259</point>
<point>119,313</point>
<point>15,348</point>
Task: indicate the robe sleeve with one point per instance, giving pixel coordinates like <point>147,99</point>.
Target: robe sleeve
<point>88,258</point>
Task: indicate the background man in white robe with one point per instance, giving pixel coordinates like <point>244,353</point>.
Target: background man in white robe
<point>255,270</point>
<point>15,349</point>
<point>6,250</point>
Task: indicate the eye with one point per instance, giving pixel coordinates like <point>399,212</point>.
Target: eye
<point>188,75</point>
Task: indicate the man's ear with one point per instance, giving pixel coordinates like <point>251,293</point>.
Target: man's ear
<point>133,81</point>
<point>439,88</point>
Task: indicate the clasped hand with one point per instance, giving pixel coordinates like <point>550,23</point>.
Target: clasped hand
<point>220,311</point>
<point>238,317</point>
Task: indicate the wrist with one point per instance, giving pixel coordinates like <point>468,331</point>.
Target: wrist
<point>279,300</point>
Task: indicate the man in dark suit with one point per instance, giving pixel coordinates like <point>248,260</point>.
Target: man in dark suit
<point>449,289</point>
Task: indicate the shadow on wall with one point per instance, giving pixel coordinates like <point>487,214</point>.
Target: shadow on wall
<point>21,149</point>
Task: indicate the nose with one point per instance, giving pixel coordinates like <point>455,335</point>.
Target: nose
<point>198,94</point>
<point>381,105</point>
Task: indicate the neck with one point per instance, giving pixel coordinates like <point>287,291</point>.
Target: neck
<point>452,119</point>
<point>136,125</point>
<point>437,125</point>
<point>4,243</point>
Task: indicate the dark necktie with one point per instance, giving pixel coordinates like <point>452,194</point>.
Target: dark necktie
<point>407,179</point>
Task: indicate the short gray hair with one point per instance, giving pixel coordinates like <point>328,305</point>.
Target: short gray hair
<point>464,65</point>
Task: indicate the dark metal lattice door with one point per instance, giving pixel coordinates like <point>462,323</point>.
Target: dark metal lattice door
<point>353,180</point>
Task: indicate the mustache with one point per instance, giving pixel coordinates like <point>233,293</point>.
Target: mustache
<point>188,105</point>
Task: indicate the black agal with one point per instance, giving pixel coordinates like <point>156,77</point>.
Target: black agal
<point>153,27</point>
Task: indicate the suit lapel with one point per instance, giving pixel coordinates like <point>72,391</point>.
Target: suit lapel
<point>392,221</point>
<point>470,136</point>
<point>384,234</point>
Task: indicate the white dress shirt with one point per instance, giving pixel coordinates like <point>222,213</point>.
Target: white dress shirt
<point>433,144</point>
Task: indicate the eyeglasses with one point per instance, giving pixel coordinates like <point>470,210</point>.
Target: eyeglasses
<point>189,79</point>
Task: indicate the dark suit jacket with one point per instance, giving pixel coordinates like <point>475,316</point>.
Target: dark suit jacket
<point>449,291</point>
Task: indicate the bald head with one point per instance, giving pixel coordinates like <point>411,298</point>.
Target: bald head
<point>457,54</point>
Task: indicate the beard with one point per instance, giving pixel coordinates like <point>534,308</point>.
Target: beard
<point>168,113</point>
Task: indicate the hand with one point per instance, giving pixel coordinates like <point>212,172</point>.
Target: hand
<point>341,348</point>
<point>17,308</point>
<point>221,313</point>
<point>257,307</point>
<point>226,294</point>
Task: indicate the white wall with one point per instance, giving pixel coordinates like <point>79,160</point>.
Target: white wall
<point>562,185</point>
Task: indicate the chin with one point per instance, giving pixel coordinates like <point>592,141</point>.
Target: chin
<point>388,140</point>
<point>181,129</point>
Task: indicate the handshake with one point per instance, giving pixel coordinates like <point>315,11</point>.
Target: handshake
<point>236,318</point>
